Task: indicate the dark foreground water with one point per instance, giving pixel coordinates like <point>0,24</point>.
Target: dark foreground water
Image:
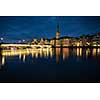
<point>50,65</point>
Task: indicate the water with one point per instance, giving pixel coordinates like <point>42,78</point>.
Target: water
<point>50,65</point>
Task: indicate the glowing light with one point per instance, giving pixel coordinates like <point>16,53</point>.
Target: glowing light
<point>3,60</point>
<point>65,53</point>
<point>24,58</point>
<point>87,52</point>
<point>34,52</point>
<point>98,50</point>
<point>78,44</point>
<point>1,39</point>
<point>98,44</point>
<point>25,45</point>
<point>51,53</point>
<point>79,51</point>
<point>58,54</point>
<point>19,56</point>
<point>19,41</point>
<point>23,40</point>
<point>94,45</point>
<point>94,51</point>
<point>88,43</point>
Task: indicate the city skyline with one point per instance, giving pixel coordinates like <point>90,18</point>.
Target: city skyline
<point>14,28</point>
<point>50,49</point>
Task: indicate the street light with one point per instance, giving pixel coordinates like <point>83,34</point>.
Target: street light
<point>1,39</point>
<point>19,41</point>
<point>23,40</point>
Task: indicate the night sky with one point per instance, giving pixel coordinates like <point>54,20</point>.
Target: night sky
<point>17,28</point>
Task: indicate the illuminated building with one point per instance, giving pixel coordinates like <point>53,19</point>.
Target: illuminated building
<point>58,41</point>
<point>57,32</point>
<point>58,50</point>
<point>46,41</point>
<point>65,53</point>
<point>96,40</point>
<point>52,42</point>
<point>42,41</point>
<point>65,41</point>
<point>35,41</point>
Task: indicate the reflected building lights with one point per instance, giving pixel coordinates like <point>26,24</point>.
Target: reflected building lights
<point>79,52</point>
<point>41,54</point>
<point>20,56</point>
<point>87,52</point>
<point>32,55</point>
<point>94,52</point>
<point>3,60</point>
<point>24,58</point>
<point>48,52</point>
<point>36,55</point>
<point>98,51</point>
<point>45,55</point>
<point>65,53</point>
<point>58,54</point>
<point>51,53</point>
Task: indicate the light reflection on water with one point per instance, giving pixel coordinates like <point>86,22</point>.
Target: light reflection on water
<point>59,53</point>
<point>50,65</point>
<point>35,53</point>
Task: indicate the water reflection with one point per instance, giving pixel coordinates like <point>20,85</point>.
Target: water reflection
<point>35,53</point>
<point>58,53</point>
<point>79,52</point>
<point>65,53</point>
<point>94,52</point>
<point>58,50</point>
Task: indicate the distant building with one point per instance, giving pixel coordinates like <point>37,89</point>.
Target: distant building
<point>35,41</point>
<point>42,41</point>
<point>74,42</point>
<point>58,41</point>
<point>95,40</point>
<point>47,41</point>
<point>65,41</point>
<point>58,32</point>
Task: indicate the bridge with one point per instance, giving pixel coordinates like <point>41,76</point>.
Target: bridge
<point>25,45</point>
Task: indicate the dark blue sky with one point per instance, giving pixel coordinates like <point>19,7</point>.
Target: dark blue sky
<point>27,27</point>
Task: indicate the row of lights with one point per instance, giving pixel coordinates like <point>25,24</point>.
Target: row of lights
<point>21,41</point>
<point>18,41</point>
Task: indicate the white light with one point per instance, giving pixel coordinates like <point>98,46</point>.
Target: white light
<point>1,38</point>
<point>19,41</point>
<point>23,40</point>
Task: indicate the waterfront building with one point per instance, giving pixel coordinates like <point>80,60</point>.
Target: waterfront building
<point>42,41</point>
<point>74,41</point>
<point>58,40</point>
<point>46,41</point>
<point>65,41</point>
<point>84,41</point>
<point>35,41</point>
<point>58,32</point>
<point>95,40</point>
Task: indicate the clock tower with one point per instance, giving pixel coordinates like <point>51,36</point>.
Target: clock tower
<point>57,32</point>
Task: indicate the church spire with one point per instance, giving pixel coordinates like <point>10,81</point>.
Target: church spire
<point>58,28</point>
<point>57,32</point>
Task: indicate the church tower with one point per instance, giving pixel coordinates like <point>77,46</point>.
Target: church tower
<point>57,32</point>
